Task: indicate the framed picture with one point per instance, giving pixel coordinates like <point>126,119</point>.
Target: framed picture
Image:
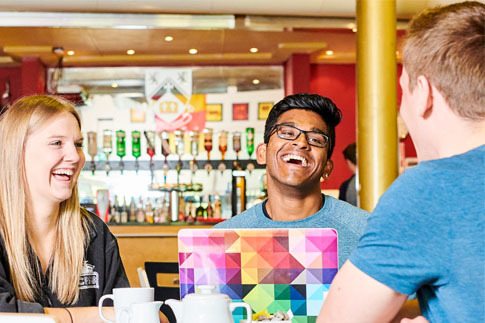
<point>213,112</point>
<point>263,110</point>
<point>137,115</point>
<point>240,111</point>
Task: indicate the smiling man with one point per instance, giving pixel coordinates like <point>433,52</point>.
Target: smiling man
<point>299,138</point>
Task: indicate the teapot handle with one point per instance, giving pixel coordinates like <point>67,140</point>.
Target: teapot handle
<point>249,312</point>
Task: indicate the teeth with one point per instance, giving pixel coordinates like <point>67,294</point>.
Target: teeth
<point>304,162</point>
<point>63,172</point>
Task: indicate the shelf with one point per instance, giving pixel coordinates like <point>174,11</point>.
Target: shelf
<point>144,165</point>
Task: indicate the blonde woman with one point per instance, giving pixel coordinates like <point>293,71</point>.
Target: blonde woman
<point>54,256</point>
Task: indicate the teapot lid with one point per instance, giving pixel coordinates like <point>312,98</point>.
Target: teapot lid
<point>206,292</point>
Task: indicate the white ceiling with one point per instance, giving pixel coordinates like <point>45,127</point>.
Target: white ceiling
<point>319,8</point>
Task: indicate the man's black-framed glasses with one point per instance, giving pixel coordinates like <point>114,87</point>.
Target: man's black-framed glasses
<point>314,138</point>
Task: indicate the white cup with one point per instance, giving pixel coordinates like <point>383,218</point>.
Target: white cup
<point>144,312</point>
<point>122,299</point>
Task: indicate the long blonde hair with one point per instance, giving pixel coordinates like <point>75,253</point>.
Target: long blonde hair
<point>16,124</point>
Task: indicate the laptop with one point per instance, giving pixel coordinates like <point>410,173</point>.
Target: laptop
<point>270,269</point>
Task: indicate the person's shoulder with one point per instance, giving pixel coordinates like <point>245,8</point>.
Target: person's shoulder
<point>95,225</point>
<point>246,219</point>
<point>345,208</point>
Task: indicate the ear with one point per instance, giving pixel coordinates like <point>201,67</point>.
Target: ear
<point>424,93</point>
<point>261,154</point>
<point>328,169</point>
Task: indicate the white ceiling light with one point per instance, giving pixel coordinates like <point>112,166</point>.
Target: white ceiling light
<point>193,51</point>
<point>256,81</point>
<point>168,38</point>
<point>253,50</point>
<point>118,20</point>
<point>130,51</point>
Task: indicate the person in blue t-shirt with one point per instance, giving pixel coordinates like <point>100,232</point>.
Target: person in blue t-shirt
<point>299,138</point>
<point>426,234</point>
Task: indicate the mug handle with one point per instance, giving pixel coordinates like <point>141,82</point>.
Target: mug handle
<point>234,305</point>
<point>100,307</point>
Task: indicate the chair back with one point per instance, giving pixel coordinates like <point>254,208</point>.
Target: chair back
<point>164,278</point>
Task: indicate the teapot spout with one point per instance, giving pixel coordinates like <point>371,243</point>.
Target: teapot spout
<point>176,307</point>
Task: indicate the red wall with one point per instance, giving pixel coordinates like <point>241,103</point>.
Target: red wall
<point>13,75</point>
<point>337,82</point>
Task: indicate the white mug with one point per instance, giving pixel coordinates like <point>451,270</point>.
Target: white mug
<point>144,312</point>
<point>122,299</point>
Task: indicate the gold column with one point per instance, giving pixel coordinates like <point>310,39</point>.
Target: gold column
<point>377,142</point>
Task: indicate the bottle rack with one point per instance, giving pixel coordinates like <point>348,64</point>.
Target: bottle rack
<point>144,165</point>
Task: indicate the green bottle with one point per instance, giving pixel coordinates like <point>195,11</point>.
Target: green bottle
<point>136,147</point>
<point>121,147</point>
<point>250,141</point>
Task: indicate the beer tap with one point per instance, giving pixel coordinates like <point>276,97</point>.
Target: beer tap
<point>236,146</point>
<point>250,147</point>
<point>164,136</point>
<point>121,147</point>
<point>194,150</point>
<point>179,144</point>
<point>150,137</point>
<point>107,148</point>
<point>222,149</point>
<point>208,147</point>
<point>136,148</point>
<point>92,148</point>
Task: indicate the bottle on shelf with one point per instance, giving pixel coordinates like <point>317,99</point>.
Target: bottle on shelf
<point>140,213</point>
<point>124,212</point>
<point>165,212</point>
<point>209,211</point>
<point>132,214</point>
<point>116,216</point>
<point>217,208</point>
<point>149,214</point>
<point>199,212</point>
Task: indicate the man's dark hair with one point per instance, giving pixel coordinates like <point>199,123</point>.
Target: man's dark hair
<point>323,106</point>
<point>350,153</point>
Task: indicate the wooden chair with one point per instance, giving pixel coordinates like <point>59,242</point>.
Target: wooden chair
<point>164,278</point>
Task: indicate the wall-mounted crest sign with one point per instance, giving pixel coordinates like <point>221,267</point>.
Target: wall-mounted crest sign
<point>169,93</point>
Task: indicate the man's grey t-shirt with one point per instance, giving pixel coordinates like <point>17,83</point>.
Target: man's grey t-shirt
<point>347,220</point>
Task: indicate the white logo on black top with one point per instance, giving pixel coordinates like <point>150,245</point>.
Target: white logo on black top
<point>89,277</point>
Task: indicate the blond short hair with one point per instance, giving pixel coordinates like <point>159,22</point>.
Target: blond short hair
<point>447,46</point>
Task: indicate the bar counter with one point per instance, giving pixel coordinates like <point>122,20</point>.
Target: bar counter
<point>153,242</point>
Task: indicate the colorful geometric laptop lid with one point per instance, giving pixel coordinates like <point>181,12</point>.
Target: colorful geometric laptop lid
<point>273,269</point>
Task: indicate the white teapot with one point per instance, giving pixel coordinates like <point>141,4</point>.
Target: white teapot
<point>205,307</point>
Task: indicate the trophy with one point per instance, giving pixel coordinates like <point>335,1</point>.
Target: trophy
<point>150,137</point>
<point>135,148</point>
<point>107,148</point>
<point>121,147</point>
<point>92,148</point>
